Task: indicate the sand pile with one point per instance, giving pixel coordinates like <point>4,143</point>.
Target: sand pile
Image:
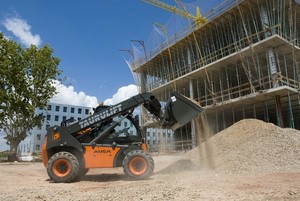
<point>251,146</point>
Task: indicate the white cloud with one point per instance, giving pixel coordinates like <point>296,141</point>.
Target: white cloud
<point>21,29</point>
<point>123,93</point>
<point>67,95</point>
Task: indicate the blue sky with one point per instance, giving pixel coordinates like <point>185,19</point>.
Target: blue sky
<point>87,36</point>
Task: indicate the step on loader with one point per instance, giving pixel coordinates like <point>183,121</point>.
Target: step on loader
<point>111,137</point>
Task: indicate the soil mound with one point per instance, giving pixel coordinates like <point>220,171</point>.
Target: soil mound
<point>251,146</point>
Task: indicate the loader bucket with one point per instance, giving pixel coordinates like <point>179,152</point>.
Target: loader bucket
<point>179,110</point>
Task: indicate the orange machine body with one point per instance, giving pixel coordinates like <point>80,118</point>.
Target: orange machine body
<point>100,156</point>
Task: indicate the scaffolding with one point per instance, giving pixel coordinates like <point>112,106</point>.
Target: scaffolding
<point>242,63</point>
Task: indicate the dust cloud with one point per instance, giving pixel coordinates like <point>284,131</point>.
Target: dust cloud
<point>202,157</point>
<point>206,148</point>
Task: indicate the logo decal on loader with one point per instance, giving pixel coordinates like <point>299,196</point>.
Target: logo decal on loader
<point>102,152</point>
<point>101,115</point>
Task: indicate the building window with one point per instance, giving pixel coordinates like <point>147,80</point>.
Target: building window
<point>38,137</point>
<point>78,118</point>
<point>148,134</point>
<point>86,111</point>
<point>48,117</point>
<point>72,110</point>
<point>65,109</point>
<point>79,110</point>
<point>49,107</point>
<point>125,124</point>
<point>47,126</point>
<point>56,117</point>
<point>64,118</point>
<point>37,147</point>
<point>57,108</point>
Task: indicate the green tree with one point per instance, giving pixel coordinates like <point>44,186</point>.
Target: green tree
<point>26,83</point>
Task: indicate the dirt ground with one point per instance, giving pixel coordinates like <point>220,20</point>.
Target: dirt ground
<point>174,178</point>
<point>251,160</point>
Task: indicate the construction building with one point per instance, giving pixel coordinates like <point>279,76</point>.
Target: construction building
<point>243,62</point>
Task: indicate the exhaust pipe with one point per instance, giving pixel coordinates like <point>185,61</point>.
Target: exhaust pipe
<point>179,111</point>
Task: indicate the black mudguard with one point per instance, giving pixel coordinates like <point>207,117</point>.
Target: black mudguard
<point>59,136</point>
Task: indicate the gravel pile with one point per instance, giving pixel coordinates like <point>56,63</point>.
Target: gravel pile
<point>250,146</point>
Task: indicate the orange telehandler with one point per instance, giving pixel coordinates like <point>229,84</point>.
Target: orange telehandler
<point>111,137</point>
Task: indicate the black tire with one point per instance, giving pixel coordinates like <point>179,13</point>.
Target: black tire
<point>63,167</point>
<point>138,164</point>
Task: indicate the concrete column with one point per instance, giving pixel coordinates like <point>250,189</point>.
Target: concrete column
<point>265,21</point>
<point>191,92</point>
<point>193,127</point>
<point>279,111</point>
<point>273,67</point>
<point>272,64</point>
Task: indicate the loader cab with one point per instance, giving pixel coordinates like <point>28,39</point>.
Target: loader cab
<point>126,132</point>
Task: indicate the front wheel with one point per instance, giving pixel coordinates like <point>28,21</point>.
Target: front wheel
<point>63,167</point>
<point>138,164</point>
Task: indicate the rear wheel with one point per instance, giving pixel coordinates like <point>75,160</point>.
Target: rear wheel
<point>63,167</point>
<point>138,164</point>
